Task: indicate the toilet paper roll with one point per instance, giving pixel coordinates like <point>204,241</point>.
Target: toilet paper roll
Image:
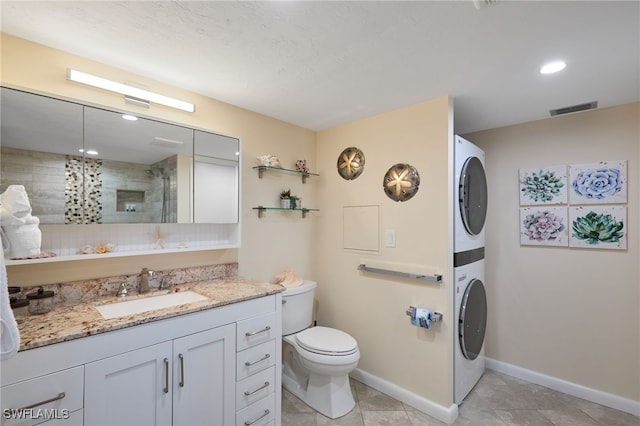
<point>421,318</point>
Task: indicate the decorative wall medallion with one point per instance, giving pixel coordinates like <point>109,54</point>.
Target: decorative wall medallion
<point>401,182</point>
<point>350,163</point>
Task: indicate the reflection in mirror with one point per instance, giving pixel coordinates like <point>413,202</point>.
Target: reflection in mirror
<point>132,168</point>
<point>85,165</point>
<point>39,136</point>
<point>216,174</point>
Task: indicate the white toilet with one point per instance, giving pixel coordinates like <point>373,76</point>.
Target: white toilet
<point>316,360</point>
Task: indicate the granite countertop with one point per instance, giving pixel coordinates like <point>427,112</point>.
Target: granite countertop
<point>81,320</point>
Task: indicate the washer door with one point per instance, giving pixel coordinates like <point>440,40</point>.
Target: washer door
<point>473,319</point>
<point>472,195</point>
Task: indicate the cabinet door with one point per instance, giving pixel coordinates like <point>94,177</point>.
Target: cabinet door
<point>204,378</point>
<point>130,389</point>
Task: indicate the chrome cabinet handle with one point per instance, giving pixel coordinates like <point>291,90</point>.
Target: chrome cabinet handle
<point>181,383</point>
<point>46,401</point>
<point>166,376</point>
<point>264,358</point>
<point>253,333</point>
<point>248,393</point>
<point>250,422</point>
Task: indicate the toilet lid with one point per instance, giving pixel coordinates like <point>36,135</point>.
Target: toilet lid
<point>328,341</point>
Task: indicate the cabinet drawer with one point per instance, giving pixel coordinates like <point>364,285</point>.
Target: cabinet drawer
<point>260,413</point>
<point>255,387</point>
<point>256,330</point>
<point>51,397</point>
<point>255,359</point>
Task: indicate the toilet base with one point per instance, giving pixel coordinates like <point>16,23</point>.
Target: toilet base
<point>328,395</point>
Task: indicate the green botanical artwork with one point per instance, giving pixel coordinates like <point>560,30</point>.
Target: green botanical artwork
<point>544,185</point>
<point>598,227</point>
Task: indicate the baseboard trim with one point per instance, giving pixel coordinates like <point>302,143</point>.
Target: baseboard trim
<point>603,398</point>
<point>445,414</point>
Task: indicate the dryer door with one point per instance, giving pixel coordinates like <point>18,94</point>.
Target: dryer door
<point>472,195</point>
<point>473,319</point>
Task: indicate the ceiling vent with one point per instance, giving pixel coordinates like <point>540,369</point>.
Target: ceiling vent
<point>574,108</point>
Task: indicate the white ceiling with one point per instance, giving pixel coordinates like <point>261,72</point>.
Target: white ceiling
<point>321,64</point>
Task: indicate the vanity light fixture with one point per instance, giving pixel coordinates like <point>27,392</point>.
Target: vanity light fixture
<point>131,93</point>
<point>553,67</point>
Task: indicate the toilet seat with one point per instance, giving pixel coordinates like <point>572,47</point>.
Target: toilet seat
<point>326,341</point>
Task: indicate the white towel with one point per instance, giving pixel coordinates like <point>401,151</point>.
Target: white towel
<point>16,209</point>
<point>22,241</point>
<point>9,335</point>
<point>22,237</point>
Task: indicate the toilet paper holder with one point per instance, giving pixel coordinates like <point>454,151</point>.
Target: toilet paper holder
<point>435,316</point>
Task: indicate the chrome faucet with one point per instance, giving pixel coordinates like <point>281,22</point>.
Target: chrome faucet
<point>122,290</point>
<point>143,284</point>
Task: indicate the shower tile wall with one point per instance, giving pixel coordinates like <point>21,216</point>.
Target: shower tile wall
<point>118,175</point>
<point>42,174</point>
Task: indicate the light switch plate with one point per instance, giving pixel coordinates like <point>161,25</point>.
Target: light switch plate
<point>390,238</point>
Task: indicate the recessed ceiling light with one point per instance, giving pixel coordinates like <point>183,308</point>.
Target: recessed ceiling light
<point>552,67</point>
<point>129,117</point>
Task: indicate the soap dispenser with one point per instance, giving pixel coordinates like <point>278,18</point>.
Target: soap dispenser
<point>143,285</point>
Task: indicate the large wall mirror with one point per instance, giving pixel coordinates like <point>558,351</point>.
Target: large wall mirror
<point>86,165</point>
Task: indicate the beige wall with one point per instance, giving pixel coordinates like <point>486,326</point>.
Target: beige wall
<point>268,245</point>
<point>569,313</point>
<point>372,307</point>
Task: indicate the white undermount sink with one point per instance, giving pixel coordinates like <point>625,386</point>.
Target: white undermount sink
<point>150,303</point>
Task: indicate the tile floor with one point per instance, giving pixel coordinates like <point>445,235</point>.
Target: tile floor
<point>496,400</point>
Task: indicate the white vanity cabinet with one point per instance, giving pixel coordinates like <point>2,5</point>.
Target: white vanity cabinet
<point>181,370</point>
<point>53,399</point>
<point>183,382</point>
<point>258,392</point>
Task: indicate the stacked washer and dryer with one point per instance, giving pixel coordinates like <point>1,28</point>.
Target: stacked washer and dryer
<point>468,261</point>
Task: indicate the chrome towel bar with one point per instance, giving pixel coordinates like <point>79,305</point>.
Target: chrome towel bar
<point>434,277</point>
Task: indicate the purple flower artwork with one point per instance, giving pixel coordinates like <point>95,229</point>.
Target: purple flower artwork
<point>544,226</point>
<point>598,183</point>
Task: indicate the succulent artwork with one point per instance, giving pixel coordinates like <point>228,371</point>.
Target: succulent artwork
<point>596,228</point>
<point>599,183</point>
<point>542,226</point>
<point>542,186</point>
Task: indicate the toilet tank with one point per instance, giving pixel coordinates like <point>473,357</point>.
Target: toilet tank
<point>297,307</point>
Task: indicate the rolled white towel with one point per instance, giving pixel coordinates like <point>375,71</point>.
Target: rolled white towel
<point>9,334</point>
<point>16,201</point>
<point>23,240</point>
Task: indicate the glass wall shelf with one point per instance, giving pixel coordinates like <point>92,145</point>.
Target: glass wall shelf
<point>304,211</point>
<point>262,169</point>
